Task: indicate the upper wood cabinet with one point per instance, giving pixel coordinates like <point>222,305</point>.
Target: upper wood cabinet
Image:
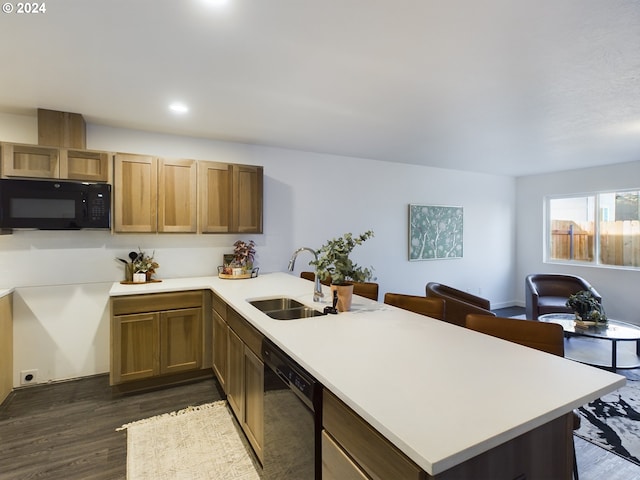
<point>246,203</point>
<point>33,161</point>
<point>230,198</point>
<point>177,196</point>
<point>154,195</point>
<point>135,193</point>
<point>87,165</point>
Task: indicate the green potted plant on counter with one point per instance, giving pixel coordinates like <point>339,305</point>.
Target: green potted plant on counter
<point>334,265</point>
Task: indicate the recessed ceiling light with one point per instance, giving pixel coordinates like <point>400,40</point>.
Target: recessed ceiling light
<point>178,107</point>
<point>216,3</point>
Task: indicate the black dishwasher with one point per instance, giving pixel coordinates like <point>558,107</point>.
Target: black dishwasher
<point>292,418</point>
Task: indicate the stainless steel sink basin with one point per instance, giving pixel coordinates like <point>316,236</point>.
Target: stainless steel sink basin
<point>270,304</point>
<point>294,313</point>
<point>283,308</point>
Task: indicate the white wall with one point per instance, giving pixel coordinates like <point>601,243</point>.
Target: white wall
<point>62,278</point>
<point>617,286</point>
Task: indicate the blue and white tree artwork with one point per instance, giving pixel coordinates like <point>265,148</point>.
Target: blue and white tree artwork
<point>435,232</point>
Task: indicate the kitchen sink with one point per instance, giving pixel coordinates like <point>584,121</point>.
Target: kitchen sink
<point>283,308</point>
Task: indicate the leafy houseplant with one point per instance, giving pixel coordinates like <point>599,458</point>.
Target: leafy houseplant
<point>586,307</point>
<point>244,254</point>
<point>333,261</point>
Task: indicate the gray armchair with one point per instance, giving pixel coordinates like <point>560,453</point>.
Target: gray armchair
<point>549,292</point>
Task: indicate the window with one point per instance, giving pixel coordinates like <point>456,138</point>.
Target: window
<point>576,234</point>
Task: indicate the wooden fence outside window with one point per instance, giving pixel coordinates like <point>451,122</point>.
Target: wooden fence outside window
<point>619,242</point>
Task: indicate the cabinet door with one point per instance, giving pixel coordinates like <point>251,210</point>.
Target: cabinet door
<point>84,165</point>
<point>134,347</point>
<point>135,193</point>
<point>253,423</point>
<point>177,200</point>
<point>30,161</point>
<point>246,201</point>
<point>220,349</point>
<point>215,197</point>
<point>180,340</point>
<point>6,346</point>
<point>235,374</point>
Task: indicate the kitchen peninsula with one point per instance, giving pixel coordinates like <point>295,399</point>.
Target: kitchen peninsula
<point>440,393</point>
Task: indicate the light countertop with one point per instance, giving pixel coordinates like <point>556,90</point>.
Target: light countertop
<point>441,393</point>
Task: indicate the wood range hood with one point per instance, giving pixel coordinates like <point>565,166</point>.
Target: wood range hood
<point>61,129</point>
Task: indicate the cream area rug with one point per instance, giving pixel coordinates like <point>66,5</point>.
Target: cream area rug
<point>197,443</point>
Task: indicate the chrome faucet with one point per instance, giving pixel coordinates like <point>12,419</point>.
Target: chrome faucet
<point>317,289</point>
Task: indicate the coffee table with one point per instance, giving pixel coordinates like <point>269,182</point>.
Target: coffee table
<point>615,331</point>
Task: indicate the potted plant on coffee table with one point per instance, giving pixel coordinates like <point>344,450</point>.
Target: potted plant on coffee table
<point>587,309</point>
<point>334,265</point>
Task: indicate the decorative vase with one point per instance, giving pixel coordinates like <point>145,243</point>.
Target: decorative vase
<point>345,294</point>
<point>128,272</point>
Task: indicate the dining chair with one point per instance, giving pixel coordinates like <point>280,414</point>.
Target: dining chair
<point>364,289</point>
<point>431,307</point>
<point>459,303</point>
<point>546,337</point>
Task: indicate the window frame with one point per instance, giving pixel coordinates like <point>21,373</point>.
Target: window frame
<point>596,262</point>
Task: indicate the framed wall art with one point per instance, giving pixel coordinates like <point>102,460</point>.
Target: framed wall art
<point>435,232</point>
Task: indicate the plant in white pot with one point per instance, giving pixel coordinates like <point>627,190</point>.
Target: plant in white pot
<point>333,264</point>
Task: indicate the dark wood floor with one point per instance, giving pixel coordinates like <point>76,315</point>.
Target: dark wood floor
<point>66,431</point>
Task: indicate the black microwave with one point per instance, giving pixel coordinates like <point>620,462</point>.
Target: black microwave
<point>54,205</point>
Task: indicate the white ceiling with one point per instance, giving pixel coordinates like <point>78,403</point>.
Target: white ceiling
<point>500,86</point>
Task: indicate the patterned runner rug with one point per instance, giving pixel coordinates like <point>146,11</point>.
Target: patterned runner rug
<point>613,421</point>
<point>197,443</point>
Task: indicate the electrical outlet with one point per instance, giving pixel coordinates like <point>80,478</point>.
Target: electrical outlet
<point>28,377</point>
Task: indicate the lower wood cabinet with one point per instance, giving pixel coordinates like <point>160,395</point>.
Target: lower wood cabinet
<point>220,340</point>
<point>239,368</point>
<point>336,464</point>
<point>353,449</point>
<point>253,415</point>
<point>153,336</point>
<point>373,456</point>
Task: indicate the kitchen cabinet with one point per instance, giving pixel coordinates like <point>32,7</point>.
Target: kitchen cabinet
<point>242,371</point>
<point>177,200</point>
<point>154,195</point>
<point>336,464</point>
<point>85,165</point>
<point>544,452</point>
<point>231,198</point>
<point>6,346</point>
<point>156,335</point>
<point>33,161</point>
<point>220,339</point>
<point>135,193</point>
<point>372,455</point>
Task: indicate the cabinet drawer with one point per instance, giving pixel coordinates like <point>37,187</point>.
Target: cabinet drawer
<point>219,305</point>
<point>155,302</point>
<point>249,335</point>
<point>336,464</point>
<point>374,454</point>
